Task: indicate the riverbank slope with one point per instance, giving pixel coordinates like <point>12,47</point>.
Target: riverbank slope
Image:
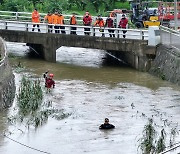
<point>7,85</point>
<point>167,64</point>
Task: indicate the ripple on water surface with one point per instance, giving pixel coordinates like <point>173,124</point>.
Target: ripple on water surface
<point>127,97</point>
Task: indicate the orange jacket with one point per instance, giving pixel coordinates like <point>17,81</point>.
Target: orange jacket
<point>73,20</point>
<point>99,22</point>
<point>55,19</point>
<point>49,18</point>
<point>35,17</point>
<point>61,19</point>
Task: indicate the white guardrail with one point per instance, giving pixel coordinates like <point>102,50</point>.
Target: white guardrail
<point>170,37</point>
<point>21,21</point>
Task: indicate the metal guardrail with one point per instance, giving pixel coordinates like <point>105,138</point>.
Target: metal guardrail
<point>22,21</point>
<point>26,16</point>
<point>170,37</point>
<point>94,31</point>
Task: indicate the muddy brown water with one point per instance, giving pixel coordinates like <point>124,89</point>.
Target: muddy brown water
<point>90,92</point>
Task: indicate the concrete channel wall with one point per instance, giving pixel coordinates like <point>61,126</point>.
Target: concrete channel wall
<point>167,64</point>
<point>7,83</point>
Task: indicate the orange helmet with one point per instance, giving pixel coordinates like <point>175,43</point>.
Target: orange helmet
<point>51,75</point>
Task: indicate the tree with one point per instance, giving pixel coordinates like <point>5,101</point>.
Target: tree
<point>34,2</point>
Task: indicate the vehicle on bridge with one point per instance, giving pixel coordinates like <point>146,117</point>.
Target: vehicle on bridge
<point>166,10</point>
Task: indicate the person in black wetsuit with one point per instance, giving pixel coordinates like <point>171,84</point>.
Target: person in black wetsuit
<point>106,125</point>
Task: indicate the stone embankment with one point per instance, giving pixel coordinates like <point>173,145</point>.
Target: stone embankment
<point>167,64</point>
<point>7,83</point>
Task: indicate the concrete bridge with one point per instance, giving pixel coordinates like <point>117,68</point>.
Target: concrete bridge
<point>133,50</point>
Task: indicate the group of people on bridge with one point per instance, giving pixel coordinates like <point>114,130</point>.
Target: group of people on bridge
<point>56,19</point>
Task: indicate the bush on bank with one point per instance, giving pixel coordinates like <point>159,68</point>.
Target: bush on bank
<point>67,6</point>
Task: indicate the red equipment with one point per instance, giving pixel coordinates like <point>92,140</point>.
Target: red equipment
<point>166,10</point>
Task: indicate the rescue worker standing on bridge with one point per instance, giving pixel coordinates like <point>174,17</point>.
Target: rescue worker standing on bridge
<point>35,19</point>
<point>55,21</point>
<point>87,20</point>
<point>61,22</point>
<point>109,24</point>
<point>73,22</point>
<point>49,19</point>
<point>100,22</point>
<point>123,24</point>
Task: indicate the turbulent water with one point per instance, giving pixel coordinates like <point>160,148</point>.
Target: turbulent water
<point>90,91</point>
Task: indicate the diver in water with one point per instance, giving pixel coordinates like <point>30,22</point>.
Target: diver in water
<point>106,125</point>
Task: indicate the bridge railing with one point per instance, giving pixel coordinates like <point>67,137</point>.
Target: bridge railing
<point>170,37</point>
<point>94,31</point>
<point>26,16</point>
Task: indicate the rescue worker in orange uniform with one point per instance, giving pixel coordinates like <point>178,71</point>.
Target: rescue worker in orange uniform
<point>35,19</point>
<point>73,22</point>
<point>49,19</point>
<point>61,22</point>
<point>100,23</point>
<point>55,21</point>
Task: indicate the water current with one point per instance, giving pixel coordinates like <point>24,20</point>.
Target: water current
<point>91,91</point>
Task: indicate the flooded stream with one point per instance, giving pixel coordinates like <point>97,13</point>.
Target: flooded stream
<point>90,91</point>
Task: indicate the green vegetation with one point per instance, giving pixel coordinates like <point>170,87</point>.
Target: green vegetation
<point>147,141</point>
<point>67,6</point>
<point>151,142</point>
<point>161,142</point>
<point>31,109</point>
<point>30,97</point>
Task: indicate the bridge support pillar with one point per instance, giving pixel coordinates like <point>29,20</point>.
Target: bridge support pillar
<point>44,51</point>
<point>141,63</point>
<point>49,53</point>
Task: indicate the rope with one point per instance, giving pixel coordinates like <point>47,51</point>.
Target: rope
<point>115,57</point>
<point>171,148</point>
<point>26,145</point>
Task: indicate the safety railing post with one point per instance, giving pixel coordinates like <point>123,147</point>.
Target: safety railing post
<point>160,34</point>
<point>117,33</point>
<point>69,29</point>
<point>93,31</point>
<point>16,15</point>
<point>141,35</point>
<point>26,27</point>
<point>5,25</point>
<point>170,37</point>
<point>53,30</point>
<point>47,28</point>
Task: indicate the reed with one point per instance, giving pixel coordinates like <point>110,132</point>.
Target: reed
<point>31,109</point>
<point>30,96</point>
<point>174,132</point>
<point>147,144</point>
<point>161,142</point>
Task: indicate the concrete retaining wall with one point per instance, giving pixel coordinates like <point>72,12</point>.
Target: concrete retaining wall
<point>7,84</point>
<point>167,64</point>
